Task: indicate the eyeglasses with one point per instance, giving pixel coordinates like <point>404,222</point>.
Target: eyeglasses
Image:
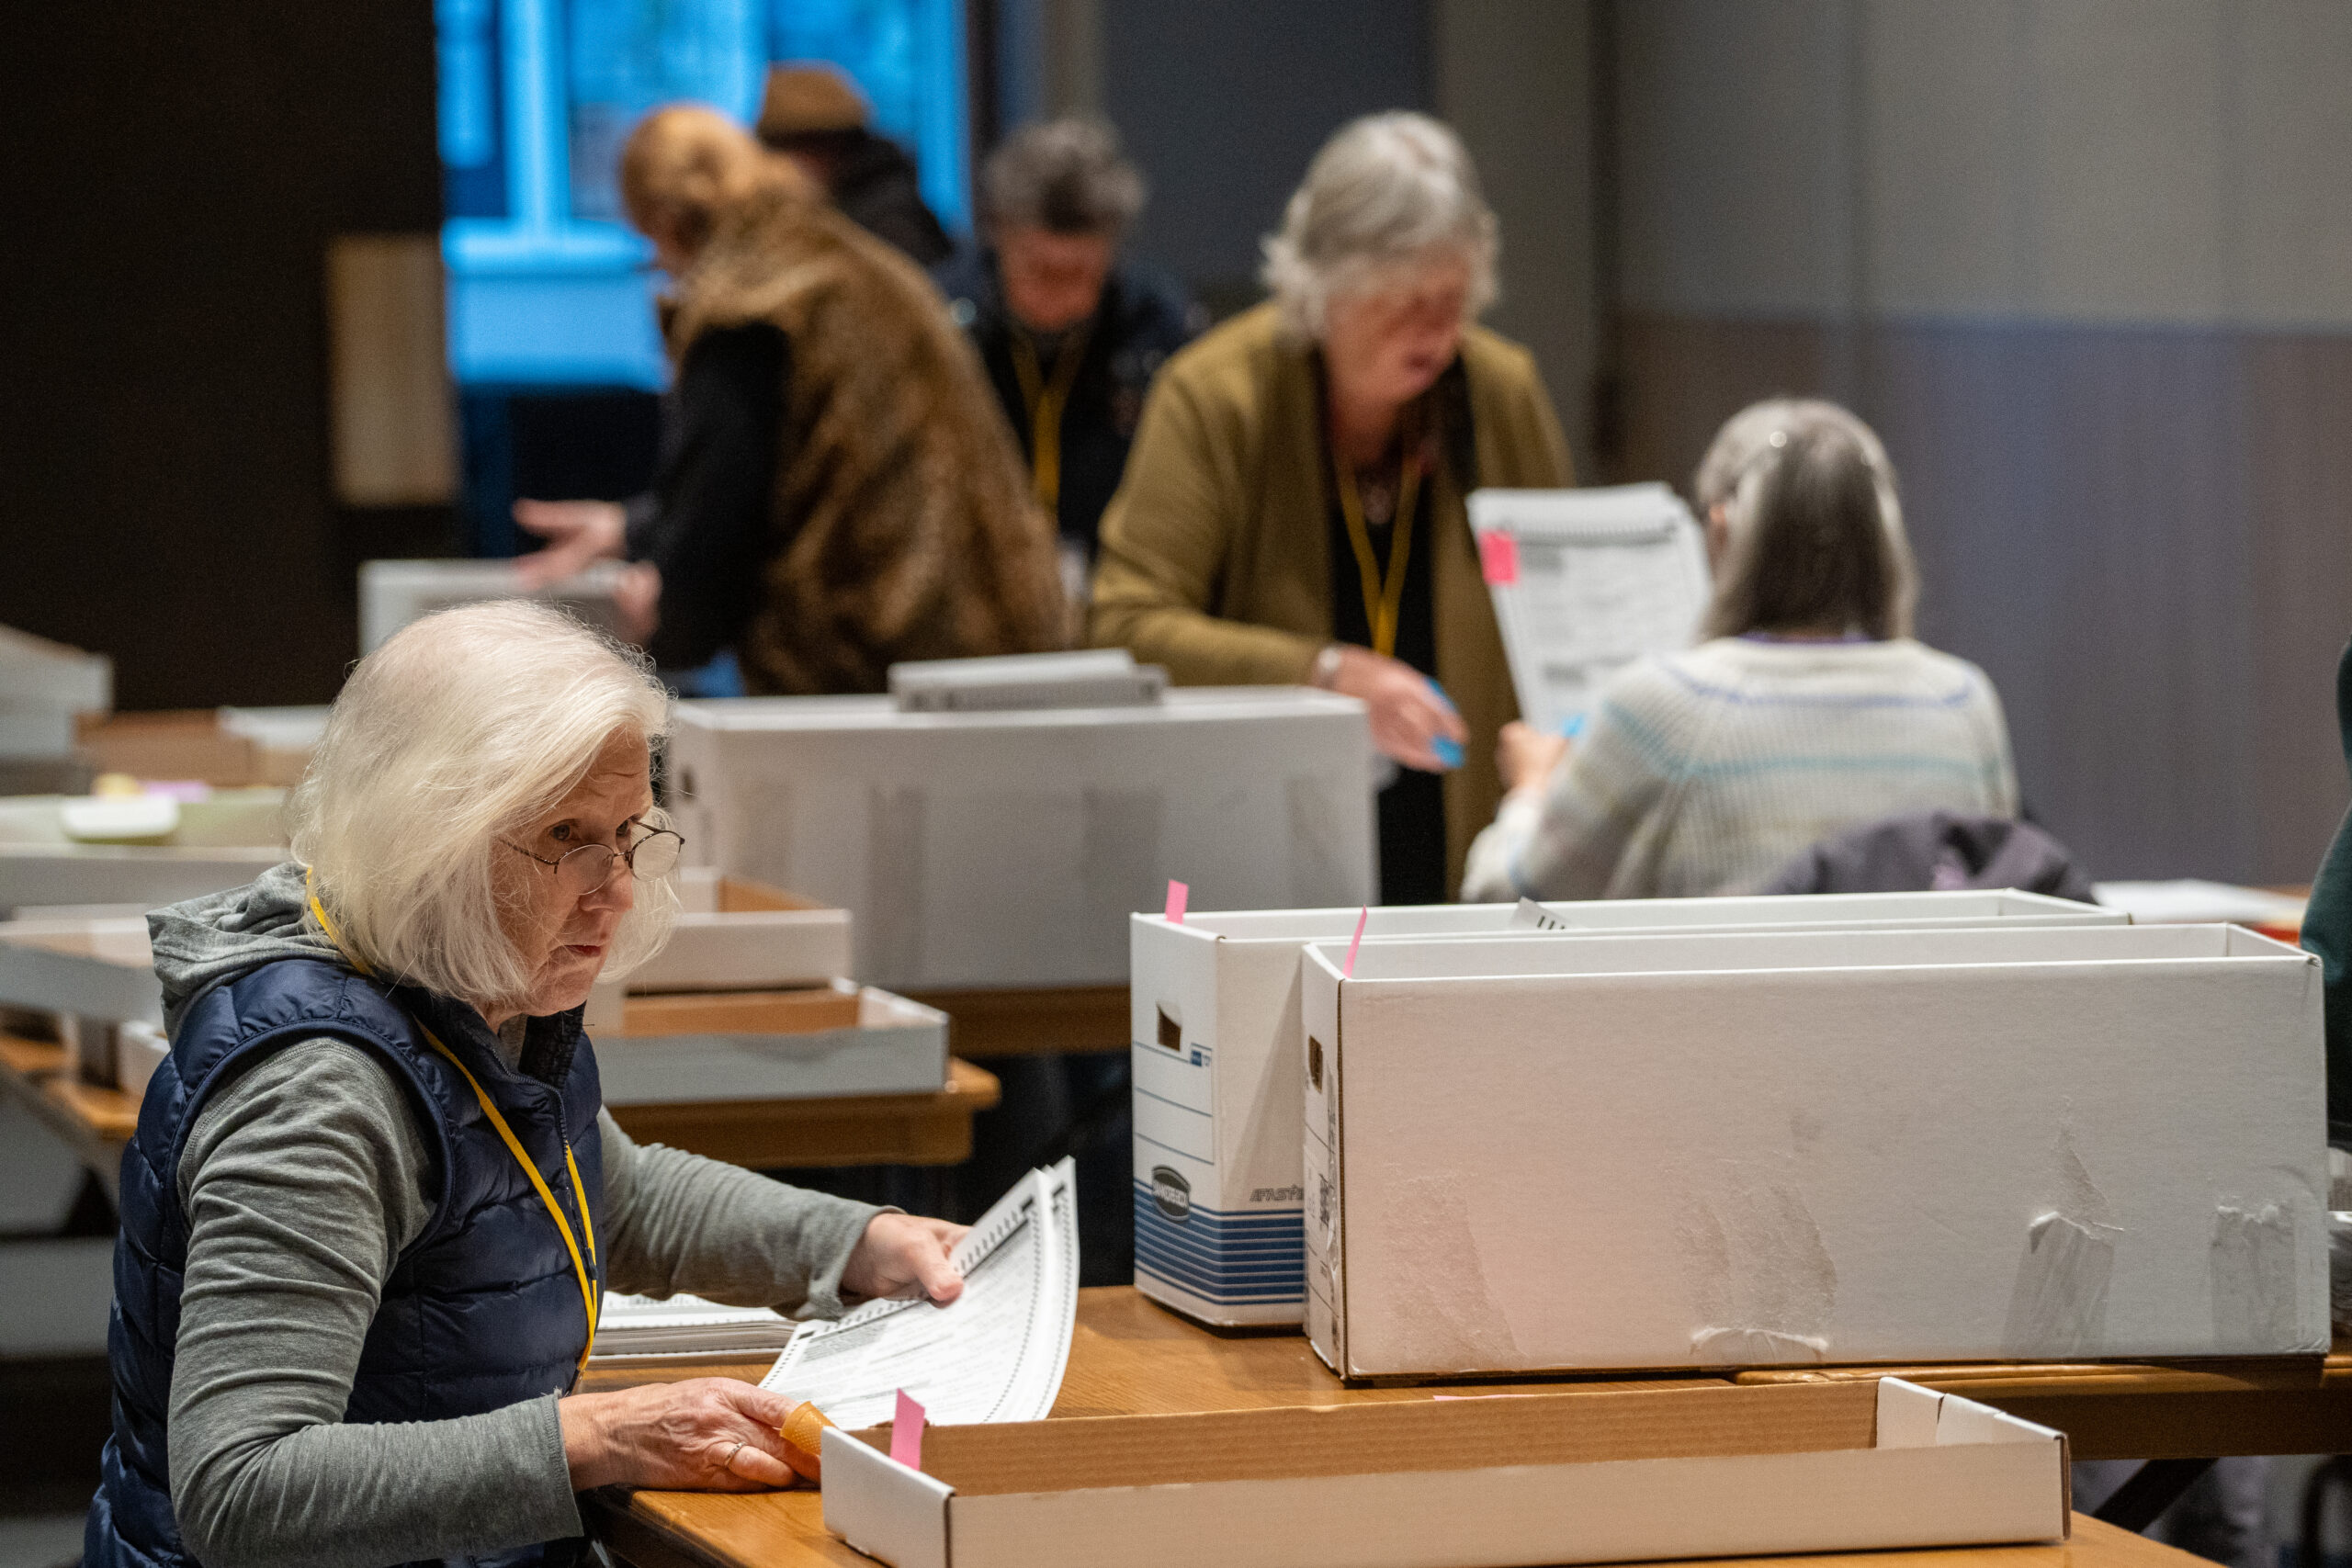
<point>584,870</point>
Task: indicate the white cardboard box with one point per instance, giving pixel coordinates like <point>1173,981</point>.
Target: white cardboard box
<point>1214,1008</point>
<point>36,875</point>
<point>43,686</point>
<point>1473,1482</point>
<point>840,1039</point>
<point>1760,1148</point>
<point>394,592</point>
<point>835,1039</point>
<point>100,969</point>
<point>1002,850</point>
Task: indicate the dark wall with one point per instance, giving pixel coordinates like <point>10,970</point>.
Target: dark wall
<point>1222,102</point>
<point>173,173</point>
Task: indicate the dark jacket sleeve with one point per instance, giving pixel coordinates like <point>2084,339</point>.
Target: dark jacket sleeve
<point>713,529</point>
<point>2328,931</point>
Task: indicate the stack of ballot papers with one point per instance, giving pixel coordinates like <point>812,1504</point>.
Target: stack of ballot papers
<point>996,1353</point>
<point>634,1326</point>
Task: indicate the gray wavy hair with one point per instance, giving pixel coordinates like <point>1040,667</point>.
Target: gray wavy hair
<point>1777,469</point>
<point>1064,175</point>
<point>1389,193</point>
<point>461,730</point>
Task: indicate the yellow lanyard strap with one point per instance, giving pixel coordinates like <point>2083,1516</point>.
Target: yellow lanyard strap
<point>1046,402</point>
<point>588,1295</point>
<point>1382,603</point>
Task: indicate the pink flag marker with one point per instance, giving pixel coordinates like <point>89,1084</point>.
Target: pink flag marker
<point>1356,941</point>
<point>1498,559</point>
<point>1176,894</point>
<point>906,1433</point>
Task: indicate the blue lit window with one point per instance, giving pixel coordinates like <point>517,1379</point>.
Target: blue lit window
<point>546,287</point>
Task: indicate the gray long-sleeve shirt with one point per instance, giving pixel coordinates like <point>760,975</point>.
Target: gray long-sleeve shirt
<point>303,1181</point>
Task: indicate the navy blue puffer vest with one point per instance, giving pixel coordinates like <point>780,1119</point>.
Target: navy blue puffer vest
<point>483,1311</point>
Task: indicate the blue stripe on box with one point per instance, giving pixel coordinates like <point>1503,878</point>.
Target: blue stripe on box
<point>1236,1260</point>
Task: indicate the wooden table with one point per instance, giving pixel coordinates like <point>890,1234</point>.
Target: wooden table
<point>865,1129</point>
<point>1050,1021</point>
<point>888,1129</point>
<point>1130,1356</point>
<point>2283,1404</point>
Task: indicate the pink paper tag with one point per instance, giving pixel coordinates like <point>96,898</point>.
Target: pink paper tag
<point>906,1433</point>
<point>1176,894</point>
<point>1356,941</point>
<point>1499,558</point>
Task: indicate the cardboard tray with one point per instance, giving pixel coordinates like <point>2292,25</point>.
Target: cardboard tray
<point>737,935</point>
<point>34,876</point>
<point>1467,1483</point>
<point>1213,1006</point>
<point>1668,1151</point>
<point>822,1041</point>
<point>100,969</point>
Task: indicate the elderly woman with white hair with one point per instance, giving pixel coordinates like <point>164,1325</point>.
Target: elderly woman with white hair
<point>1809,709</point>
<point>1292,509</point>
<point>374,1200</point>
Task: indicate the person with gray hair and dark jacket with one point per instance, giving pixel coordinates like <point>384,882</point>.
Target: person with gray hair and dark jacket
<point>1071,331</point>
<point>374,1200</point>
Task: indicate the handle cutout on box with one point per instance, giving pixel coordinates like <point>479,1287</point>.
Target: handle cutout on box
<point>1315,1062</point>
<point>1172,1034</point>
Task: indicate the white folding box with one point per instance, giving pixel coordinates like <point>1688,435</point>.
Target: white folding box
<point>1656,1151</point>
<point>94,976</point>
<point>33,876</point>
<point>394,592</point>
<point>734,935</point>
<point>1214,1006</point>
<point>1469,1482</point>
<point>817,1042</point>
<point>1004,850</point>
<point>43,686</point>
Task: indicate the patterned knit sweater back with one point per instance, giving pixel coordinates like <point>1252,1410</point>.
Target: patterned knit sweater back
<point>1705,771</point>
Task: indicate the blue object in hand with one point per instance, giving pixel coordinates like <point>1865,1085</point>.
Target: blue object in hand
<point>1572,725</point>
<point>1448,752</point>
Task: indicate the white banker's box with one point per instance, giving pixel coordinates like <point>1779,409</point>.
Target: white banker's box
<point>1213,1009</point>
<point>1465,1482</point>
<point>1759,1148</point>
<point>1005,849</point>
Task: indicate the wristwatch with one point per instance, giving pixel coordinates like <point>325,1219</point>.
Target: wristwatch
<point>1327,668</point>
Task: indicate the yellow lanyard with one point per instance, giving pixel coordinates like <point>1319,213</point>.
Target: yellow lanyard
<point>1046,401</point>
<point>1381,601</point>
<point>588,1294</point>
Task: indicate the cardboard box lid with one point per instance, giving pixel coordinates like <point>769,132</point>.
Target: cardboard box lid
<point>37,672</point>
<point>1629,914</point>
<point>1542,955</point>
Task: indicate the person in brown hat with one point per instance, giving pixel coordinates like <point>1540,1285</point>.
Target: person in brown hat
<point>814,115</point>
<point>837,492</point>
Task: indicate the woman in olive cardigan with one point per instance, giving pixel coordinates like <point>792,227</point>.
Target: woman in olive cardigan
<point>1292,509</point>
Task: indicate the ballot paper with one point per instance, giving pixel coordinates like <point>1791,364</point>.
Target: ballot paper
<point>1584,582</point>
<point>995,1354</point>
<point>631,1326</point>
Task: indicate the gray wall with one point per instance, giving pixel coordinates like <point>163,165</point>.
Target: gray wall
<point>1222,102</point>
<point>2087,264</point>
<point>1514,77</point>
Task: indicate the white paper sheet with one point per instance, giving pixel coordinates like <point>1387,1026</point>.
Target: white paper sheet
<point>1602,577</point>
<point>996,1354</point>
<point>682,1324</point>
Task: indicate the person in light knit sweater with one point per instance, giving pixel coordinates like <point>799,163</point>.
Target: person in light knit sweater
<point>1809,709</point>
